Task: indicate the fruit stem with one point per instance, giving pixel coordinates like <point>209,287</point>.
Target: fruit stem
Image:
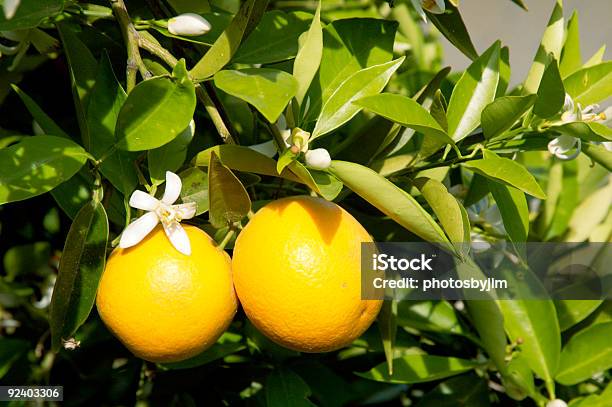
<point>228,236</point>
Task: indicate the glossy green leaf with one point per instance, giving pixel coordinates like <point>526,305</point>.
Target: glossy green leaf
<point>587,131</point>
<point>447,209</point>
<point>518,378</point>
<point>83,72</point>
<point>244,159</point>
<point>387,324</point>
<point>328,185</point>
<point>464,390</point>
<point>308,57</point>
<point>474,91</point>
<point>521,4</point>
<point>283,387</point>
<point>451,25</point>
<point>44,121</point>
<point>340,107</point>
<point>80,269</point>
<point>590,213</point>
<point>535,322</point>
<point>418,369</point>
<point>434,316</point>
<point>156,112</point>
<point>479,188</point>
<point>269,90</point>
<point>596,58</point>
<point>571,56</point>
<point>570,312</point>
<point>551,94</point>
<point>349,45</point>
<point>507,171</point>
<point>552,43</point>
<point>37,165</point>
<point>406,112</point>
<point>171,156</point>
<point>590,85</point>
<point>224,48</point>
<point>504,72</point>
<point>30,14</point>
<point>599,154</point>
<point>514,211</point>
<point>285,158</point>
<point>587,353</point>
<point>195,188</point>
<point>274,39</point>
<point>228,201</point>
<point>438,110</point>
<point>500,115</point>
<point>105,102</point>
<point>389,199</point>
<point>72,194</point>
<point>563,186</point>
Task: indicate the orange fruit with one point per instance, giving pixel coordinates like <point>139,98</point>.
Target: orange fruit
<point>297,274</point>
<point>165,306</point>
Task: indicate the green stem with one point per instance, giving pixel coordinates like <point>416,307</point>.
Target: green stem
<point>228,236</point>
<point>130,36</point>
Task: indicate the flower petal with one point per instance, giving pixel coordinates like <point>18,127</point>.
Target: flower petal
<point>138,230</point>
<point>173,188</point>
<point>419,9</point>
<point>186,210</point>
<point>178,237</point>
<point>144,201</point>
<point>10,8</point>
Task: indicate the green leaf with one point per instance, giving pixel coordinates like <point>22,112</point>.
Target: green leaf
<point>244,159</point>
<point>406,112</point>
<point>551,94</point>
<point>587,131</point>
<point>506,171</point>
<point>37,165</point>
<point>80,269</point>
<point>433,316</point>
<point>285,388</point>
<point>418,369</point>
<point>590,213</point>
<point>535,322</point>
<point>514,211</point>
<point>389,199</point>
<point>590,85</point>
<point>339,108</point>
<point>308,57</point>
<point>228,201</point>
<point>83,72</point>
<point>474,91</point>
<point>562,193</point>
<point>11,349</point>
<point>518,379</point>
<point>387,324</point>
<point>552,43</point>
<point>105,102</point>
<point>224,48</point>
<point>286,158</point>
<point>521,4</point>
<point>171,156</point>
<point>44,121</point>
<point>274,39</point>
<point>195,188</point>
<point>587,353</point>
<point>504,72</point>
<point>30,14</point>
<point>349,45</point>
<point>570,312</point>
<point>500,115</point>
<point>571,56</point>
<point>438,110</point>
<point>597,57</point>
<point>72,194</point>
<point>328,185</point>
<point>464,390</point>
<point>452,27</point>
<point>156,112</point>
<point>447,209</point>
<point>269,90</point>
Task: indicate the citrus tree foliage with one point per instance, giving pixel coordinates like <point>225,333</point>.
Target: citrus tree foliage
<point>97,100</point>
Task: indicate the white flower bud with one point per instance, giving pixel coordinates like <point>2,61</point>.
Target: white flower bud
<point>318,159</point>
<point>188,24</point>
<point>562,145</point>
<point>10,8</point>
<point>556,403</point>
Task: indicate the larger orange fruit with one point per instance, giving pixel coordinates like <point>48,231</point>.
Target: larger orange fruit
<point>163,305</point>
<point>297,274</point>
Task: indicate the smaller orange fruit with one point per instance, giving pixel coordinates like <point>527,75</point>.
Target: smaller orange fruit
<point>165,306</point>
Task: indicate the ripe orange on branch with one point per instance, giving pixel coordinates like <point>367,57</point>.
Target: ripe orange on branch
<point>296,269</point>
<point>165,306</point>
